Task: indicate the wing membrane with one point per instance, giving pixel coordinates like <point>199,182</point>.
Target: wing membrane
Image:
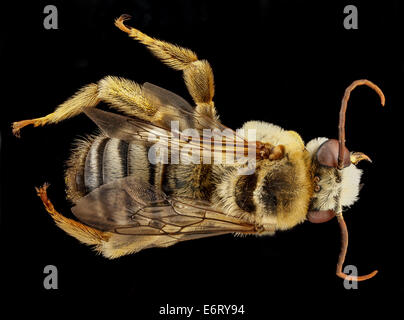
<point>128,206</point>
<point>165,98</point>
<point>170,107</point>
<point>190,147</point>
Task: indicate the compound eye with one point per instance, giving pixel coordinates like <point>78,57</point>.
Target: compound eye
<point>327,154</point>
<point>320,216</point>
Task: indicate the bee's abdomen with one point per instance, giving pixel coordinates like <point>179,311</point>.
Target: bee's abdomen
<point>108,160</point>
<point>93,175</point>
<point>101,160</point>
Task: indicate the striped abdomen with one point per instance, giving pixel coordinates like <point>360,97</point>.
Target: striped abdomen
<point>110,159</point>
<point>103,160</point>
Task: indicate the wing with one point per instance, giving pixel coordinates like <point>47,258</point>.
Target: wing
<point>128,206</point>
<point>180,128</point>
<point>165,98</point>
<point>189,144</point>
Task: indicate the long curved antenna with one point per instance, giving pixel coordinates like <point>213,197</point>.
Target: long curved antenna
<point>344,104</point>
<point>344,248</point>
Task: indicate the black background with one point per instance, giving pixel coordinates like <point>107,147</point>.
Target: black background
<point>284,62</point>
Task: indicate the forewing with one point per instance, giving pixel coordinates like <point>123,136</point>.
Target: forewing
<point>220,139</point>
<point>131,207</point>
<point>134,130</point>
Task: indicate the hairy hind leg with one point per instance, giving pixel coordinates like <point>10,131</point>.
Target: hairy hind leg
<point>74,228</point>
<point>198,74</point>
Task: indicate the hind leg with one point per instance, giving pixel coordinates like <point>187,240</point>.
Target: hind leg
<point>83,233</point>
<point>198,74</point>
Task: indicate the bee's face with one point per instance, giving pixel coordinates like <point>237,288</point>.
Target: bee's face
<point>333,188</point>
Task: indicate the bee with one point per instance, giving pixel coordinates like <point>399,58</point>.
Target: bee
<point>124,202</point>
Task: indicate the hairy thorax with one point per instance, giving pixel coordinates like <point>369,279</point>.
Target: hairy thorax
<point>277,192</point>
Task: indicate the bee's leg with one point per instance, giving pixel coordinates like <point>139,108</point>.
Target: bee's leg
<point>121,94</point>
<point>85,97</point>
<point>198,74</point>
<point>126,96</point>
<point>74,228</point>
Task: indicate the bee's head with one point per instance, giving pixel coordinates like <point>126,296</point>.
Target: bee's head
<point>334,187</point>
<point>336,178</point>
